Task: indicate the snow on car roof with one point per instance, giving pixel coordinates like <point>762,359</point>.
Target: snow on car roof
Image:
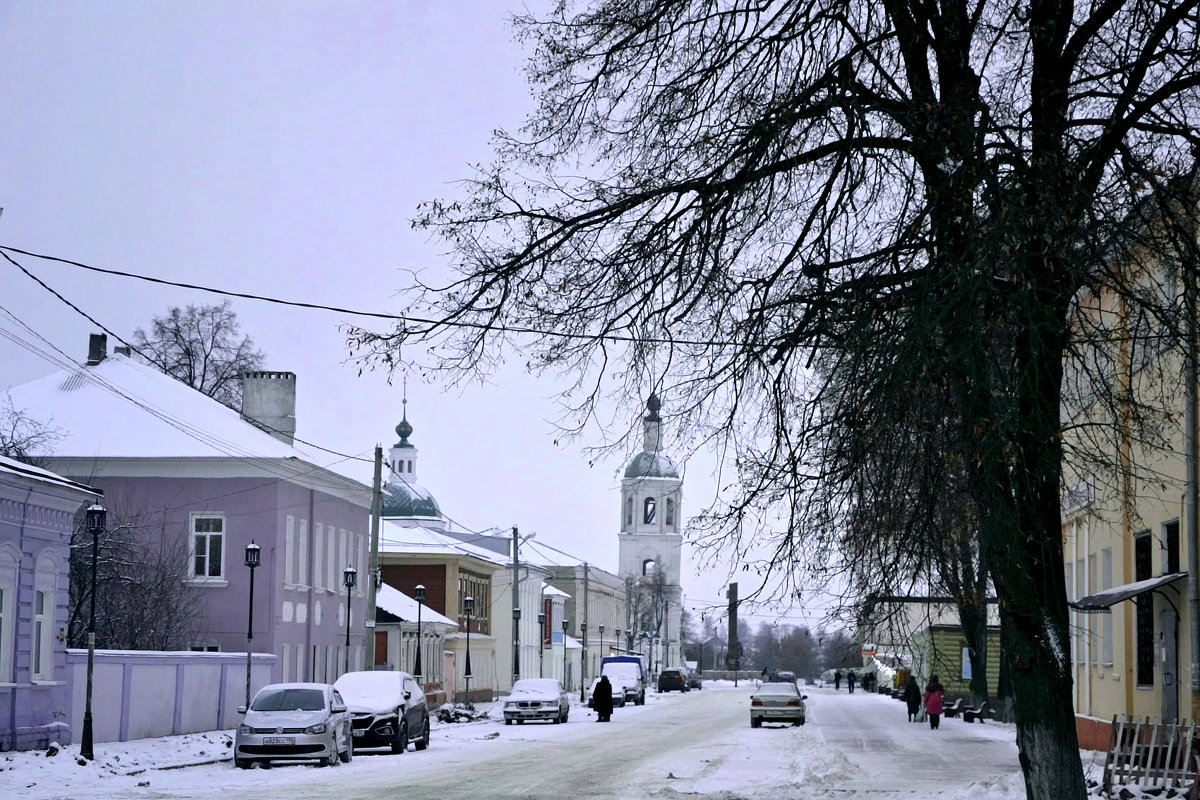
<point>383,688</point>
<point>778,688</point>
<point>538,685</point>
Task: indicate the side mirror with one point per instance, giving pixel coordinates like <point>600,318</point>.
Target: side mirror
<point>241,709</point>
<point>803,697</point>
<point>338,708</point>
<point>408,695</point>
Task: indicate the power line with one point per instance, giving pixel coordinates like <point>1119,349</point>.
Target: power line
<point>403,318</point>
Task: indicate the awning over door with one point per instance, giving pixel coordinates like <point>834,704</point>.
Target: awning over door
<point>1102,601</point>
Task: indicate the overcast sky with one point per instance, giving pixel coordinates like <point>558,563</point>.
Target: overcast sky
<point>280,148</point>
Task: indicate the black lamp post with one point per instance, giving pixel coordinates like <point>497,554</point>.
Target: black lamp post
<point>419,594</point>
<point>468,606</point>
<point>617,638</point>
<point>541,644</point>
<point>601,627</point>
<point>516,645</point>
<point>96,516</point>
<point>349,578</point>
<point>253,554</point>
<point>566,624</point>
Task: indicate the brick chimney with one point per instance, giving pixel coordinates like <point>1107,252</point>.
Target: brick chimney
<point>269,401</point>
<point>97,348</point>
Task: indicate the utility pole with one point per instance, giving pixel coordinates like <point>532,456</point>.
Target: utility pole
<point>732,655</point>
<point>516,607</point>
<point>583,630</point>
<point>373,577</point>
<point>1191,431</point>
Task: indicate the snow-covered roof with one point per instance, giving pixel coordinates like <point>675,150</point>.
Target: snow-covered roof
<point>395,537</point>
<point>1107,598</point>
<point>398,604</point>
<point>122,409</point>
<point>9,466</point>
<point>550,591</point>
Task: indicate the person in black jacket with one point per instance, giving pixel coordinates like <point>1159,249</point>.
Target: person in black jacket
<point>837,679</point>
<point>912,698</point>
<point>850,680</point>
<point>602,699</point>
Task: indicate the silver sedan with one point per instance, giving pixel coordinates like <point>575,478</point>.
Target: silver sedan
<point>294,722</point>
<point>536,698</point>
<point>777,702</point>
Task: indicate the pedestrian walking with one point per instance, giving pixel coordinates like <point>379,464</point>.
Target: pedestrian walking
<point>934,694</point>
<point>912,698</point>
<point>764,677</point>
<point>837,680</point>
<point>602,699</point>
<point>851,678</point>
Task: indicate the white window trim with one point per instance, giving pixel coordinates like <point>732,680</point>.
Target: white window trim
<point>206,580</point>
<point>42,646</point>
<point>9,571</point>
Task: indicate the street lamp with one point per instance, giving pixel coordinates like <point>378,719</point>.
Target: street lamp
<point>601,627</point>
<point>617,636</point>
<point>541,644</point>
<point>349,578</point>
<point>516,645</point>
<point>253,554</point>
<point>566,624</point>
<point>468,606</point>
<point>419,594</point>
<point>96,515</point>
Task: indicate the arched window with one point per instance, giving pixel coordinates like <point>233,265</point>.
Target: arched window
<point>10,559</point>
<point>410,467</point>
<point>670,515</point>
<point>648,509</point>
<point>649,566</point>
<point>628,511</point>
<point>45,606</point>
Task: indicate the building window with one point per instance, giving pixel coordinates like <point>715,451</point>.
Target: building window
<point>479,588</point>
<point>206,648</point>
<point>1171,542</point>
<point>9,560</point>
<point>628,511</point>
<point>208,545</point>
<point>649,566</point>
<point>648,508</point>
<point>43,630</point>
<point>670,516</point>
<point>1145,611</point>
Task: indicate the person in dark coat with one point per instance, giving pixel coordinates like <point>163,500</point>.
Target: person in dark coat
<point>850,679</point>
<point>934,694</point>
<point>837,679</point>
<point>912,698</point>
<point>602,699</point>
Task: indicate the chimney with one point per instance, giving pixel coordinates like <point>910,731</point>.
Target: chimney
<point>123,350</point>
<point>269,401</point>
<point>97,348</point>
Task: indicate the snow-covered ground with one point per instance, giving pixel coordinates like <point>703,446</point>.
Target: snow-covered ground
<point>699,746</point>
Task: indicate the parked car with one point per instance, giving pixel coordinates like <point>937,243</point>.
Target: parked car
<point>387,709</point>
<point>619,690</point>
<point>778,701</point>
<point>536,698</point>
<point>630,673</point>
<point>671,679</point>
<point>694,681</point>
<point>294,722</point>
<point>784,676</point>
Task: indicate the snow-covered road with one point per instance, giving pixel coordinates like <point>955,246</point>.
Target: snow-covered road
<point>698,746</point>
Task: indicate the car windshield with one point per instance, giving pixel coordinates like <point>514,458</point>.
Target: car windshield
<point>289,700</point>
<point>777,688</point>
<point>535,686</point>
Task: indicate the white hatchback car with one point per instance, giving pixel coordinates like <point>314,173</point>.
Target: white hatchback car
<point>294,722</point>
<point>777,702</point>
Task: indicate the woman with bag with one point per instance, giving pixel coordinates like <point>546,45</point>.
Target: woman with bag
<point>934,694</point>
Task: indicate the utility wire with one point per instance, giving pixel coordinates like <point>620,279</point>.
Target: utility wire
<point>403,318</point>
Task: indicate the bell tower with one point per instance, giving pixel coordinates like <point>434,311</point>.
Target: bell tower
<point>651,543</point>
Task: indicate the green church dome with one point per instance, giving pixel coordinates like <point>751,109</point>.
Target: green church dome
<point>408,500</point>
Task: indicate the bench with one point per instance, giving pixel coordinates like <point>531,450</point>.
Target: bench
<point>971,714</point>
<point>953,710</point>
<point>1152,754</point>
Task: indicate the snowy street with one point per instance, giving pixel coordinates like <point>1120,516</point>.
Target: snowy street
<point>698,745</point>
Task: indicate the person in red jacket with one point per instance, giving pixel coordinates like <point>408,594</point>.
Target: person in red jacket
<point>934,693</point>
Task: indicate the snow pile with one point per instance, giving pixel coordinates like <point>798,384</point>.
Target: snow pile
<point>464,712</point>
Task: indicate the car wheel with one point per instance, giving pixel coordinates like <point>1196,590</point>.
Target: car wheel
<point>331,760</point>
<point>242,763</point>
<point>423,742</point>
<point>557,720</point>
<point>802,720</point>
<point>508,722</point>
<point>754,723</point>
<point>400,741</point>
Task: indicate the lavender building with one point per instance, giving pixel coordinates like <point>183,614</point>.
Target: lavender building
<point>207,481</point>
<point>37,513</point>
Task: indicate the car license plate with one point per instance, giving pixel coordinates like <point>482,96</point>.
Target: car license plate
<point>279,740</point>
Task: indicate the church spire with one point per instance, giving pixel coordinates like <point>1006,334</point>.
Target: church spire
<point>652,425</point>
<point>404,429</point>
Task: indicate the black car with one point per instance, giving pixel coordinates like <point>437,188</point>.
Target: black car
<point>693,680</point>
<point>671,679</point>
<point>387,709</point>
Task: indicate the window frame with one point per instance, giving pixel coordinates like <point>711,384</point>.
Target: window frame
<point>193,519</point>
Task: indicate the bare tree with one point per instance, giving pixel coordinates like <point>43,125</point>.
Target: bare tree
<point>203,347</point>
<point>144,602</point>
<point>711,195</point>
<point>22,436</point>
